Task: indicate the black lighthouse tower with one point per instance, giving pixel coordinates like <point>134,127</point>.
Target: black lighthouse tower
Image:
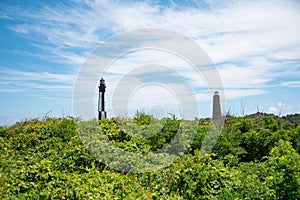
<point>101,106</point>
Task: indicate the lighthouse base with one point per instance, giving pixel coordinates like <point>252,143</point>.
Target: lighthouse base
<point>101,115</point>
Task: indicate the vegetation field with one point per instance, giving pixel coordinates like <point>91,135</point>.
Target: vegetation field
<point>255,157</point>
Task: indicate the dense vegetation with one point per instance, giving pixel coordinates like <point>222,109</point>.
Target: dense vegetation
<point>255,157</point>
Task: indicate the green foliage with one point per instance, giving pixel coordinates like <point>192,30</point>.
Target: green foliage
<point>285,163</point>
<point>251,139</point>
<point>293,119</point>
<point>255,157</point>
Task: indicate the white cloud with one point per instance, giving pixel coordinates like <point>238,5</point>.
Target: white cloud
<point>279,108</point>
<point>272,109</point>
<point>16,75</point>
<point>291,84</point>
<point>260,108</point>
<point>253,43</point>
<point>234,76</point>
<point>227,31</point>
<point>239,93</point>
<point>281,104</point>
<point>13,81</point>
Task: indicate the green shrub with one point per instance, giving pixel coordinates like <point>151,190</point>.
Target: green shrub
<point>255,157</point>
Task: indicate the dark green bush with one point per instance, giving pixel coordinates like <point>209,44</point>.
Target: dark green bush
<point>255,157</point>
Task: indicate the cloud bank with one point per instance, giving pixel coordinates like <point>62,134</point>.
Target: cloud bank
<point>255,45</point>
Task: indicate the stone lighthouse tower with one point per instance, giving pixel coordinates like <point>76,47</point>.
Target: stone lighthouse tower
<point>101,100</point>
<point>216,115</point>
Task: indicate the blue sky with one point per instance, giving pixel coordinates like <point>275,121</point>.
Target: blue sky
<point>255,46</point>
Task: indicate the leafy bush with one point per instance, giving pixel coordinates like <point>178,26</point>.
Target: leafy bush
<point>255,157</point>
